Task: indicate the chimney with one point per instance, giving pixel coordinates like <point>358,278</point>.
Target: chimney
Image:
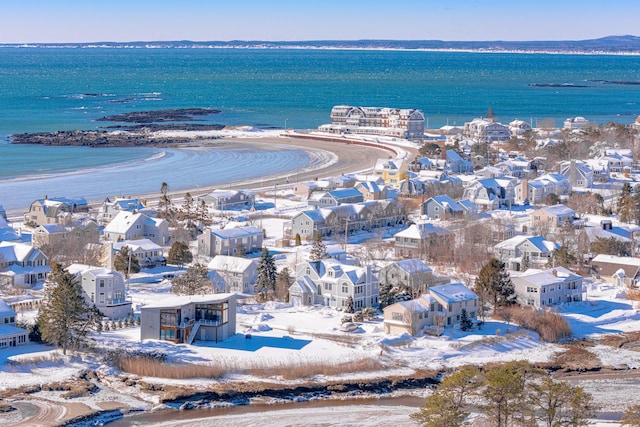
<point>554,272</point>
<point>606,224</point>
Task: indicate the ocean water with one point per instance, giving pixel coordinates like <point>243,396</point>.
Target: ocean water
<point>65,88</point>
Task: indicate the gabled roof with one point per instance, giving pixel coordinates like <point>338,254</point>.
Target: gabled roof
<point>230,263</point>
<point>558,210</point>
<point>547,277</point>
<point>421,231</point>
<point>447,202</point>
<point>453,292</point>
<point>5,310</point>
<point>137,245</point>
<point>340,193</point>
<point>539,242</point>
<point>413,266</point>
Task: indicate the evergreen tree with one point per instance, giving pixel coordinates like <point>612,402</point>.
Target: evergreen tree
<point>125,262</point>
<point>504,392</point>
<point>240,251</point>
<point>165,205</point>
<point>626,204</point>
<point>65,318</point>
<point>349,307</point>
<point>560,404</point>
<point>465,323</point>
<point>448,406</point>
<point>283,282</point>
<point>387,296</point>
<point>298,239</point>
<point>180,254</point>
<point>493,282</point>
<point>202,214</point>
<point>562,257</point>
<point>195,281</point>
<point>266,274</point>
<point>609,246</point>
<point>188,215</point>
<point>318,250</point>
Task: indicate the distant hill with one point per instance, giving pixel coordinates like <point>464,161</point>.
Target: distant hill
<point>611,44</point>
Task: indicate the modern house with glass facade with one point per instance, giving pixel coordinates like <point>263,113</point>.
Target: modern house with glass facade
<point>189,318</point>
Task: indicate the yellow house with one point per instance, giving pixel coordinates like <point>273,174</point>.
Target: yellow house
<point>392,171</point>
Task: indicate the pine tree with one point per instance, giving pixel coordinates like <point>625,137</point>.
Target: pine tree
<point>180,254</point>
<point>266,274</point>
<point>449,404</point>
<point>125,262</point>
<point>195,281</point>
<point>465,323</point>
<point>165,205</point>
<point>562,257</point>
<point>626,204</point>
<point>387,296</point>
<point>318,250</point>
<point>202,214</point>
<point>65,318</point>
<point>493,282</point>
<point>349,307</point>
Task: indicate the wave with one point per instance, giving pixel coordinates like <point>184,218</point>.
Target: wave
<point>99,169</point>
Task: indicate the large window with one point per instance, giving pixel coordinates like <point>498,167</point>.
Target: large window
<point>217,313</point>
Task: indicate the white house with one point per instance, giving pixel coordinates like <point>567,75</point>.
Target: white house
<point>544,288</point>
<point>147,253</point>
<point>105,288</point>
<point>10,334</point>
<point>22,265</point>
<point>519,252</point>
<point>233,274</point>
<point>135,225</point>
<point>331,283</point>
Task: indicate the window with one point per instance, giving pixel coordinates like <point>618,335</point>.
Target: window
<point>397,316</point>
<point>101,300</point>
<point>345,288</point>
<point>101,283</point>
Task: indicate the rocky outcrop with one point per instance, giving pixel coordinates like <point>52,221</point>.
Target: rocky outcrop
<point>178,115</point>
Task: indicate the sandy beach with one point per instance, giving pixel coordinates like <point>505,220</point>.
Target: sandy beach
<point>351,158</point>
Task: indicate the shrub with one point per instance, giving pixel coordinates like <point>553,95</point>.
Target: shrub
<point>550,326</point>
<point>369,313</point>
<point>358,316</point>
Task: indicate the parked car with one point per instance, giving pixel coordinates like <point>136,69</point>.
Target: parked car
<point>349,327</point>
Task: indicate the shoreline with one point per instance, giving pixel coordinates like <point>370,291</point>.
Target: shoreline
<point>348,156</point>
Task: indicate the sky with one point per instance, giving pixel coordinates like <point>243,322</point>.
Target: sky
<point>61,21</point>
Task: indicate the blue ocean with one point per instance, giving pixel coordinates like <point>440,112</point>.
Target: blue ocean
<point>47,89</point>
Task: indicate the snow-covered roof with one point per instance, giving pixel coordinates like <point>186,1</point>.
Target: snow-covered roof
<point>559,210</point>
<point>5,310</point>
<point>539,242</point>
<point>548,276</point>
<point>612,259</point>
<point>137,245</point>
<point>453,292</point>
<point>234,233</point>
<point>413,265</point>
<point>421,231</point>
<point>230,263</point>
<point>182,300</point>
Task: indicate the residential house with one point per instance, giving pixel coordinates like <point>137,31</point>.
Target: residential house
<point>111,208</point>
<point>578,173</point>
<point>80,233</point>
<point>231,274</point>
<point>457,164</point>
<point>347,218</point>
<point>229,241</point>
<point>522,252</point>
<point>412,273</point>
<point>148,253</point>
<point>619,161</point>
<point>518,168</point>
<point>442,207</point>
<point>221,200</point>
<point>10,334</point>
<point>336,197</point>
<point>305,188</point>
<point>8,234</point>
<point>392,171</point>
<point>371,190</point>
<point>189,318</point>
<point>486,130</point>
<point>413,316</point>
<point>519,128</point>
<point>617,270</point>
<point>22,265</point>
<point>535,191</point>
<point>624,234</point>
<point>57,210</point>
<point>491,193</point>
<point>576,123</point>
<point>544,288</point>
<point>549,219</point>
<point>431,313</point>
<point>135,225</point>
<point>415,241</point>
<point>334,284</point>
<point>104,288</point>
